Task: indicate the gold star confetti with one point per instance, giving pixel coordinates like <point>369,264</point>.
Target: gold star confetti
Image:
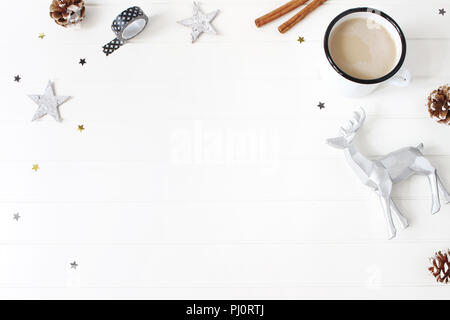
<point>80,127</point>
<point>301,39</point>
<point>41,35</point>
<point>35,167</point>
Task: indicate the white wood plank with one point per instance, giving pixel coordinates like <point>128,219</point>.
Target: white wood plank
<point>248,98</point>
<point>196,223</point>
<point>431,292</point>
<point>172,67</point>
<point>217,265</point>
<point>213,141</point>
<point>234,24</point>
<point>241,180</point>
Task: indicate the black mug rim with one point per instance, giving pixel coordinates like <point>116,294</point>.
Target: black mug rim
<point>346,75</point>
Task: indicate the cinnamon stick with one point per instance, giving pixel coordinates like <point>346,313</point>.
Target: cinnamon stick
<point>299,16</point>
<point>278,12</point>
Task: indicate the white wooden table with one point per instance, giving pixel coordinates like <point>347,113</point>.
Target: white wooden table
<point>202,171</point>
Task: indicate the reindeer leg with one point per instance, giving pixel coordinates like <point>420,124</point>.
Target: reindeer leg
<point>401,218</point>
<point>434,192</point>
<point>385,202</point>
<point>443,190</point>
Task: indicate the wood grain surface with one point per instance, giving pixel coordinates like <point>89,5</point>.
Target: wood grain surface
<point>202,171</point>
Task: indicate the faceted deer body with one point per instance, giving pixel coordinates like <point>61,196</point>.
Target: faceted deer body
<point>382,174</point>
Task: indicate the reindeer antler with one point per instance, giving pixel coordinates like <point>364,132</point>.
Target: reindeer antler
<point>355,123</point>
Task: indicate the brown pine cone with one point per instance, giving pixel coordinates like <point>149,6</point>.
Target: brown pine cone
<point>440,268</point>
<point>67,12</point>
<point>439,103</point>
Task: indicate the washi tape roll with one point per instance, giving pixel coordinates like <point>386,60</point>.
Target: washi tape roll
<point>126,25</point>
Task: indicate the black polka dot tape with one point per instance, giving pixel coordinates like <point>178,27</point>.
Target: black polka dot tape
<point>134,19</point>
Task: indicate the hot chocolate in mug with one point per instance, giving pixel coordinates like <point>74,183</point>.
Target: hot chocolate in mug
<point>355,67</point>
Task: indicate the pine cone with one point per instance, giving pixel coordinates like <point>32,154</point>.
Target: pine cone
<point>67,12</point>
<point>441,266</point>
<point>439,103</point>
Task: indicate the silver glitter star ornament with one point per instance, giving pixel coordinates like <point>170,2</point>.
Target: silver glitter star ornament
<point>199,22</point>
<point>48,103</point>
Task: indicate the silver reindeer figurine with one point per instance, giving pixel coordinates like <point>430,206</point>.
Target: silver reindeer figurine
<point>381,174</point>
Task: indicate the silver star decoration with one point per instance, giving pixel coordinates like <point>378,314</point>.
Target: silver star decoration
<point>73,265</point>
<point>199,22</point>
<point>16,216</point>
<point>48,103</point>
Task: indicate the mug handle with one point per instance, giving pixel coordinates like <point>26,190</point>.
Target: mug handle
<point>401,79</point>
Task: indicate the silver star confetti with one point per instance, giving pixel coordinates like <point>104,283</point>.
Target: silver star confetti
<point>16,216</point>
<point>73,265</point>
<point>48,103</point>
<point>199,22</point>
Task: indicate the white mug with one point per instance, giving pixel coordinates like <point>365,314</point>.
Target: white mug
<point>350,86</point>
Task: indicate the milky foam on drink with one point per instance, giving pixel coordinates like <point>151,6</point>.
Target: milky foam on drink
<point>363,48</point>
